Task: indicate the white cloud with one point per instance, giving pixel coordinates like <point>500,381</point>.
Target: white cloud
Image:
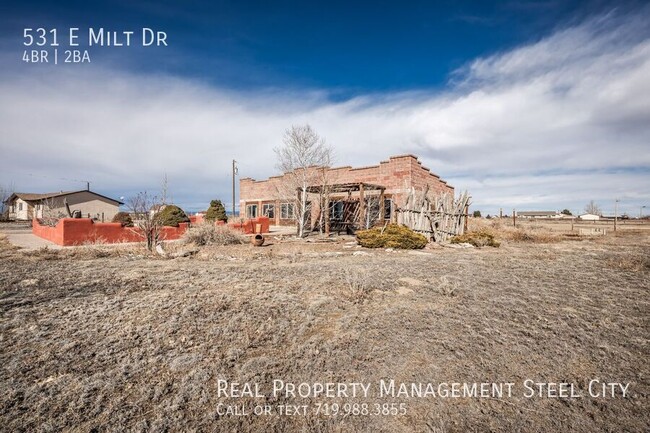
<point>552,124</point>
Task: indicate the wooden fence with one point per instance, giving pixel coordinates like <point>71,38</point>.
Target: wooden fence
<point>438,217</point>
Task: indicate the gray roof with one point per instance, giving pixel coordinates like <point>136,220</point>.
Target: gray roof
<point>29,196</point>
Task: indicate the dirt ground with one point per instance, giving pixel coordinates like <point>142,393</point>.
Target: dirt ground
<point>117,340</point>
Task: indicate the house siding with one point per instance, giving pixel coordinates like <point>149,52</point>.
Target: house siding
<point>88,203</point>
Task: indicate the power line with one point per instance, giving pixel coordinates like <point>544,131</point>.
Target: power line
<point>87,182</point>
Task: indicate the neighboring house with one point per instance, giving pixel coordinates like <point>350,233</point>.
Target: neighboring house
<point>394,178</point>
<point>589,217</point>
<point>26,206</point>
<point>539,214</point>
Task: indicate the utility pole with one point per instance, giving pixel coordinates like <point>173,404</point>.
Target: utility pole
<point>234,172</point>
<point>615,213</point>
<point>514,218</point>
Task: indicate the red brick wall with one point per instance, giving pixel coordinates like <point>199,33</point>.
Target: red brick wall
<point>398,174</point>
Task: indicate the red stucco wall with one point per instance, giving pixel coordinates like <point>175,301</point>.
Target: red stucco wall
<point>79,231</point>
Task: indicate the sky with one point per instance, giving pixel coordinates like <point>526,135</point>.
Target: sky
<point>532,105</point>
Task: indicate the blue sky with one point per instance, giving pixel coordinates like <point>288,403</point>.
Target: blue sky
<point>527,104</point>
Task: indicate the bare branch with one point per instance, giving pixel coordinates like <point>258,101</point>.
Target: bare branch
<point>304,158</point>
<point>143,208</point>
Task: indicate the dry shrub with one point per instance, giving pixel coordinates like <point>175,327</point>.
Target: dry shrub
<point>44,253</point>
<point>95,249</point>
<point>392,236</point>
<point>480,238</point>
<point>210,234</point>
<point>533,235</point>
<point>628,263</point>
<point>5,244</point>
<point>447,287</point>
<point>357,282</point>
<point>49,221</point>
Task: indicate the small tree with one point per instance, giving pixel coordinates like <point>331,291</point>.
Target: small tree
<point>593,208</point>
<point>5,192</point>
<point>566,212</point>
<point>216,212</point>
<point>143,208</point>
<point>477,214</point>
<point>305,159</point>
<point>123,218</point>
<point>171,216</point>
<point>51,212</point>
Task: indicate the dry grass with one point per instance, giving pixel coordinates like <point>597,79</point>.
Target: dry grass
<point>4,244</point>
<point>130,342</point>
<point>209,234</point>
<point>502,230</point>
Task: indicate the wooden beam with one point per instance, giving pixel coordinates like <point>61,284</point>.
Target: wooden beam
<point>362,207</point>
<point>327,214</point>
<point>381,207</point>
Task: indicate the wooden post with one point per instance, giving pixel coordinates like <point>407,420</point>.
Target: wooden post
<point>301,217</point>
<point>327,214</point>
<point>382,209</point>
<point>514,218</point>
<point>362,207</point>
<point>277,212</point>
<point>466,218</point>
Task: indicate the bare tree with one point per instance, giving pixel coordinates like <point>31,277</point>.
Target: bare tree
<point>5,192</point>
<point>51,211</point>
<point>163,192</point>
<point>143,208</point>
<point>593,208</point>
<point>305,158</point>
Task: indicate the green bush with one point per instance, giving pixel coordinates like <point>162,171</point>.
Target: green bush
<point>393,236</point>
<point>480,238</point>
<point>172,216</point>
<point>216,212</point>
<point>123,218</point>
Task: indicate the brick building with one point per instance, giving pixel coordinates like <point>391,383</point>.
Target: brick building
<point>383,186</point>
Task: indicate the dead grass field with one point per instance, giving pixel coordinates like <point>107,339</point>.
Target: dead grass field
<point>97,339</point>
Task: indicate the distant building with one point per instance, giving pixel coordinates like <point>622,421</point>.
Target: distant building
<point>539,214</point>
<point>27,206</point>
<point>394,178</point>
<point>589,217</point>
